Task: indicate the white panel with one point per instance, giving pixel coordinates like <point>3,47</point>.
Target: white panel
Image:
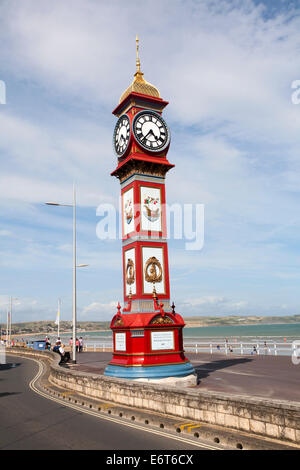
<point>128,211</point>
<point>148,252</point>
<point>151,208</point>
<point>120,341</point>
<point>130,254</point>
<point>162,340</point>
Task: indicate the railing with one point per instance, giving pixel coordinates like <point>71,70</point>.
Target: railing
<point>240,348</point>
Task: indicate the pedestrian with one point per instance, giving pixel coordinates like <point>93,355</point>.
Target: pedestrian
<point>80,344</point>
<point>71,342</point>
<point>65,355</point>
<point>77,345</point>
<point>48,344</point>
<point>56,347</point>
<point>218,347</point>
<point>254,350</point>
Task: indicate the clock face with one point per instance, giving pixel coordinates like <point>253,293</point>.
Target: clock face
<point>151,131</point>
<point>121,135</point>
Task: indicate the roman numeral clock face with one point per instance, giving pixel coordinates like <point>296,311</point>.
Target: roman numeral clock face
<point>151,131</point>
<point>121,135</point>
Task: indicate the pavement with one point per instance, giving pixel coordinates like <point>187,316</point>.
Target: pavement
<point>273,377</point>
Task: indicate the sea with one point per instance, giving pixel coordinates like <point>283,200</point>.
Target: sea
<point>278,333</point>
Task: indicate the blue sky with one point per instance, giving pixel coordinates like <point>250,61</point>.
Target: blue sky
<point>226,67</point>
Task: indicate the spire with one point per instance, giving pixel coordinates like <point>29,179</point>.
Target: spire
<point>138,74</point>
<point>139,84</point>
<point>138,64</point>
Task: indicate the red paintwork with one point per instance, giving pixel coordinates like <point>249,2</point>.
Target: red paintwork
<point>138,348</point>
<point>139,97</point>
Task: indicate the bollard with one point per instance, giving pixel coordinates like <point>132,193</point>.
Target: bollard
<point>242,351</point>
<point>196,348</point>
<point>275,350</point>
<point>211,351</point>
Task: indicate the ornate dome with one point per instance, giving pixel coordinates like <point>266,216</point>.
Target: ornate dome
<point>139,84</point>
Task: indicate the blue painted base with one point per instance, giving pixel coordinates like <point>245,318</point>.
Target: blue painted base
<point>154,372</point>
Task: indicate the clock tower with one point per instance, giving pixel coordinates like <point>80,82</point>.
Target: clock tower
<point>147,331</point>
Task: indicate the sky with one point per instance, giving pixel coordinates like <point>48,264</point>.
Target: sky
<point>227,68</point>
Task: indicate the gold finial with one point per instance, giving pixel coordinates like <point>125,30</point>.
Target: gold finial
<point>138,64</point>
<point>139,84</point>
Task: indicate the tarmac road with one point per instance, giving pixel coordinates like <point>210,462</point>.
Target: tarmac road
<point>31,421</point>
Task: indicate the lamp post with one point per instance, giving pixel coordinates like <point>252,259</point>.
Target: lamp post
<point>74,294</point>
<point>10,317</point>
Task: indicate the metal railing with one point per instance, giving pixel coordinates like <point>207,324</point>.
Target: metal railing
<point>240,348</point>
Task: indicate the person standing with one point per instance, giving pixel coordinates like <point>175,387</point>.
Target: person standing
<point>80,344</point>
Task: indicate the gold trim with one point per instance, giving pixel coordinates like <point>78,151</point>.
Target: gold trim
<point>152,276</point>
<point>133,255</point>
<point>130,272</point>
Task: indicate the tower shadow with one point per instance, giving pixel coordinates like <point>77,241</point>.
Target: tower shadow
<point>204,370</point>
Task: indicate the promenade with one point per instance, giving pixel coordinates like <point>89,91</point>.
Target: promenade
<point>256,376</point>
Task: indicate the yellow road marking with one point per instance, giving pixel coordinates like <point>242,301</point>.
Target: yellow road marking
<point>185,425</point>
<point>192,427</point>
<point>65,394</point>
<point>107,405</point>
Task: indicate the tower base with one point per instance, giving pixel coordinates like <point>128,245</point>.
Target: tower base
<point>157,373</point>
<point>148,346</point>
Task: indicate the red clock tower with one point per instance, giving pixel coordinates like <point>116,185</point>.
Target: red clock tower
<point>147,332</point>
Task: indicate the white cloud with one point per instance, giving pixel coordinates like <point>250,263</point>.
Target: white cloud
<point>226,68</point>
<point>99,311</point>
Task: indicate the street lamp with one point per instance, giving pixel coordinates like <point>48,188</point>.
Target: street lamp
<point>74,309</point>
<point>9,317</point>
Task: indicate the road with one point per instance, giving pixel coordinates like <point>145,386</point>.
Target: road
<point>32,421</point>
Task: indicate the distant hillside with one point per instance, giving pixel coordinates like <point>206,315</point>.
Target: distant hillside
<point>66,326</point>
<point>232,320</point>
<point>51,327</point>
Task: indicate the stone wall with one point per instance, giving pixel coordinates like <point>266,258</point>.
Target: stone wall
<point>272,418</point>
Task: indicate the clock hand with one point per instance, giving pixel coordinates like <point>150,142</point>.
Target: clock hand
<point>150,132</point>
<point>145,136</point>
